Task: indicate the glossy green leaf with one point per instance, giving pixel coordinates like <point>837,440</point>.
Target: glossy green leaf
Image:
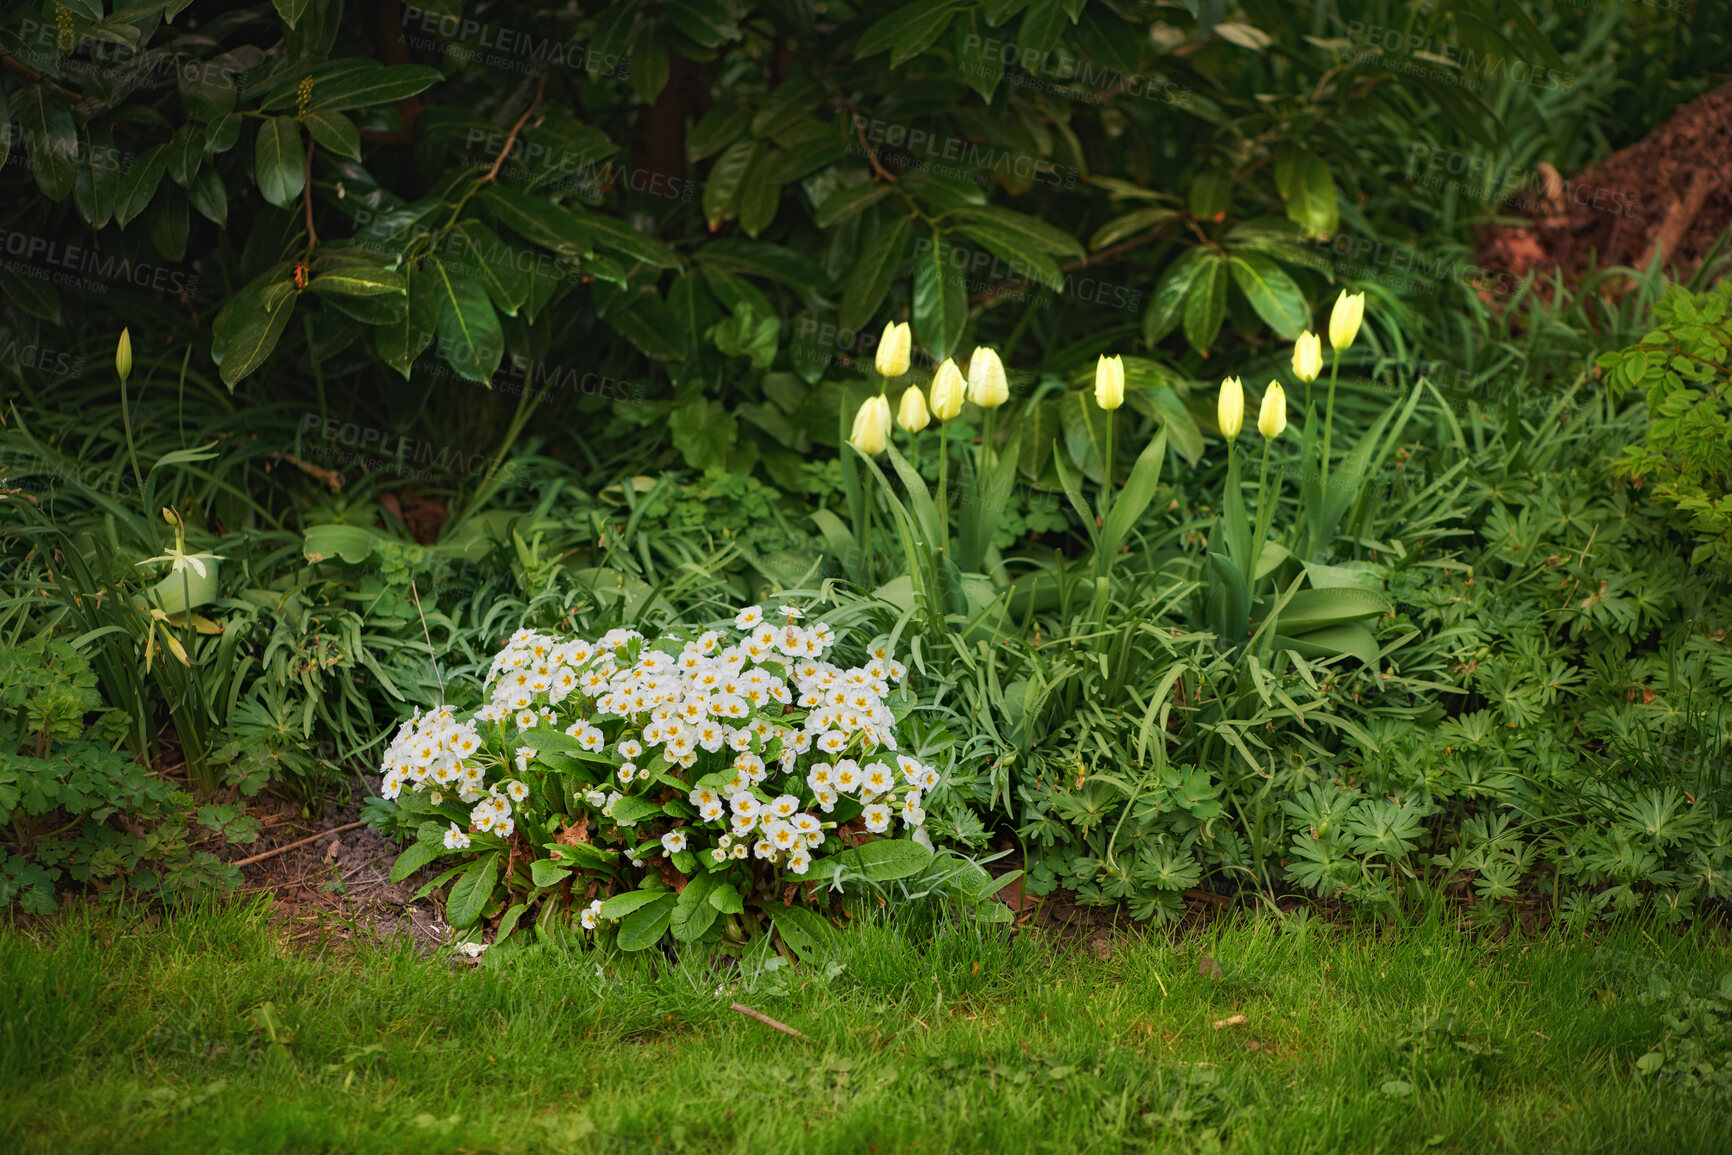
<point>1043,23</point>
<point>503,268</point>
<point>908,31</point>
<point>873,273</point>
<point>50,140</point>
<point>334,131</point>
<point>537,219</point>
<point>366,87</point>
<point>399,342</point>
<point>1275,295</point>
<point>279,162</point>
<point>138,185</point>
<point>621,237</point>
<point>1206,303</point>
<point>1166,306</point>
<point>722,189</point>
<point>940,300</point>
<point>1310,193</point>
<point>649,65</point>
<point>1131,224</point>
<point>710,23</point>
<point>291,10</point>
<point>250,323</point>
<point>470,338</point>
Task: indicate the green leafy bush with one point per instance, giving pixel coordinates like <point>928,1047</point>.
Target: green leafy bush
<point>78,810</point>
<point>1684,366</point>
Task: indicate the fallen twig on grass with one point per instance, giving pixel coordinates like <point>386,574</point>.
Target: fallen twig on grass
<point>768,1021</point>
<point>302,842</point>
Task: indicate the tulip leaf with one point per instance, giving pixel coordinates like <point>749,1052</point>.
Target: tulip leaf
<point>1314,609</point>
<point>1132,501</point>
<point>1353,639</point>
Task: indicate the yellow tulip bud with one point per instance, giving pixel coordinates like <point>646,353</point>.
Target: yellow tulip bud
<point>872,426</point>
<point>894,349</point>
<point>947,389</point>
<point>1307,356</point>
<point>911,414</point>
<point>1272,418</point>
<point>1344,320</point>
<point>1230,408</point>
<point>987,386</point>
<point>123,355</point>
<point>1110,382</point>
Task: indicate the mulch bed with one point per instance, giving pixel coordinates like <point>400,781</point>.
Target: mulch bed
<point>1671,191</point>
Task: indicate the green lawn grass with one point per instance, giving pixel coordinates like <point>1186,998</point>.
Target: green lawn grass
<point>125,1037</point>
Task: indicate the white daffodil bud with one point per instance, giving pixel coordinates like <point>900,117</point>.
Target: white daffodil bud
<point>872,426</point>
<point>1230,408</point>
<point>894,349</point>
<point>987,386</point>
<point>1110,382</point>
<point>947,391</point>
<point>911,414</point>
<point>1307,356</point>
<point>1344,320</point>
<point>1272,418</point>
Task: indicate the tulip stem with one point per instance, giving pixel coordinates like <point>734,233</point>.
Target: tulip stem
<point>988,451</point>
<point>1329,420</point>
<point>1265,514</point>
<point>1107,485</point>
<point>943,504</point>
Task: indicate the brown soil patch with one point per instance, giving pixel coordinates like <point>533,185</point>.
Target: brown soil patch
<point>336,888</point>
<point>1671,191</point>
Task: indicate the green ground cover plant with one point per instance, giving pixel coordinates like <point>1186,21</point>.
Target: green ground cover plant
<point>1263,1033</point>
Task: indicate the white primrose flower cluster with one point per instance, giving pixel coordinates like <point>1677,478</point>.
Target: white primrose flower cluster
<point>765,734</point>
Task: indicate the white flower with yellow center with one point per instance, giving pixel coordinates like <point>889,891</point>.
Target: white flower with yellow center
<point>848,775</point>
